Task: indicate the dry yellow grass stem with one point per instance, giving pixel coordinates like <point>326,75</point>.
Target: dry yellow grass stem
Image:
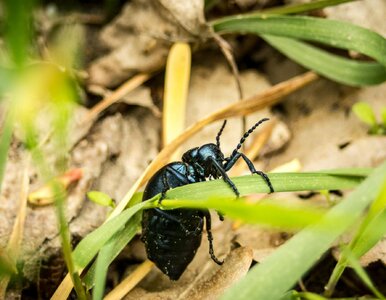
<point>13,247</point>
<point>119,93</point>
<point>241,108</point>
<point>176,92</point>
<point>64,289</point>
<point>130,281</point>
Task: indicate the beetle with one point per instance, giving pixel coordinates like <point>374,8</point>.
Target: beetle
<point>172,237</point>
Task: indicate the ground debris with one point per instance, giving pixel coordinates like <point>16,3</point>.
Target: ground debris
<point>141,44</point>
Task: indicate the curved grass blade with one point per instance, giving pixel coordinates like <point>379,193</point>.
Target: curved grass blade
<point>119,241</point>
<point>253,184</point>
<point>285,33</point>
<point>96,276</point>
<point>92,243</point>
<point>266,213</point>
<point>334,67</point>
<point>101,267</point>
<point>370,232</point>
<point>329,32</point>
<point>361,272</point>
<point>272,278</point>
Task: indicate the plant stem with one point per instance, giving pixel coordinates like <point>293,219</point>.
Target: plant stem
<point>64,231</point>
<point>5,141</point>
<point>334,278</point>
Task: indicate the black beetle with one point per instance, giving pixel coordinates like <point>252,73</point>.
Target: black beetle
<point>172,237</point>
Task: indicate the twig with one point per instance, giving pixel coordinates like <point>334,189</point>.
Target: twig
<point>119,93</point>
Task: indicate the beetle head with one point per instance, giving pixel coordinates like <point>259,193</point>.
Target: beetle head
<point>201,159</point>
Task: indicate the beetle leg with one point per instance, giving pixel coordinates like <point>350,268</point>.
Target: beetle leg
<point>225,176</point>
<point>208,222</point>
<point>166,187</point>
<point>251,167</point>
<point>166,183</point>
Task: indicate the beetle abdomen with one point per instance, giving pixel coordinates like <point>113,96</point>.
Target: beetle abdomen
<point>171,242</point>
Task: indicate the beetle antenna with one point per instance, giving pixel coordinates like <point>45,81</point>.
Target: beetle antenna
<point>219,133</point>
<point>246,134</point>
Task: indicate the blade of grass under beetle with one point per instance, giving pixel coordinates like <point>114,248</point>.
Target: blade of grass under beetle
<point>273,277</point>
<point>101,267</point>
<point>270,213</point>
<point>337,68</point>
<point>64,289</point>
<point>333,33</point>
<point>96,275</point>
<point>119,240</point>
<point>90,245</point>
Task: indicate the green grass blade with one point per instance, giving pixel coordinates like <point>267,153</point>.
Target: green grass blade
<point>267,213</point>
<point>101,266</point>
<point>300,8</point>
<point>281,182</point>
<point>343,70</point>
<point>371,235</point>
<point>365,113</point>
<point>306,296</point>
<point>279,272</point>
<point>329,32</point>
<point>355,264</point>
<point>361,172</point>
<point>383,117</point>
<point>93,242</point>
<point>115,245</point>
<point>286,32</point>
<point>370,232</point>
<point>18,28</point>
<point>5,140</point>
